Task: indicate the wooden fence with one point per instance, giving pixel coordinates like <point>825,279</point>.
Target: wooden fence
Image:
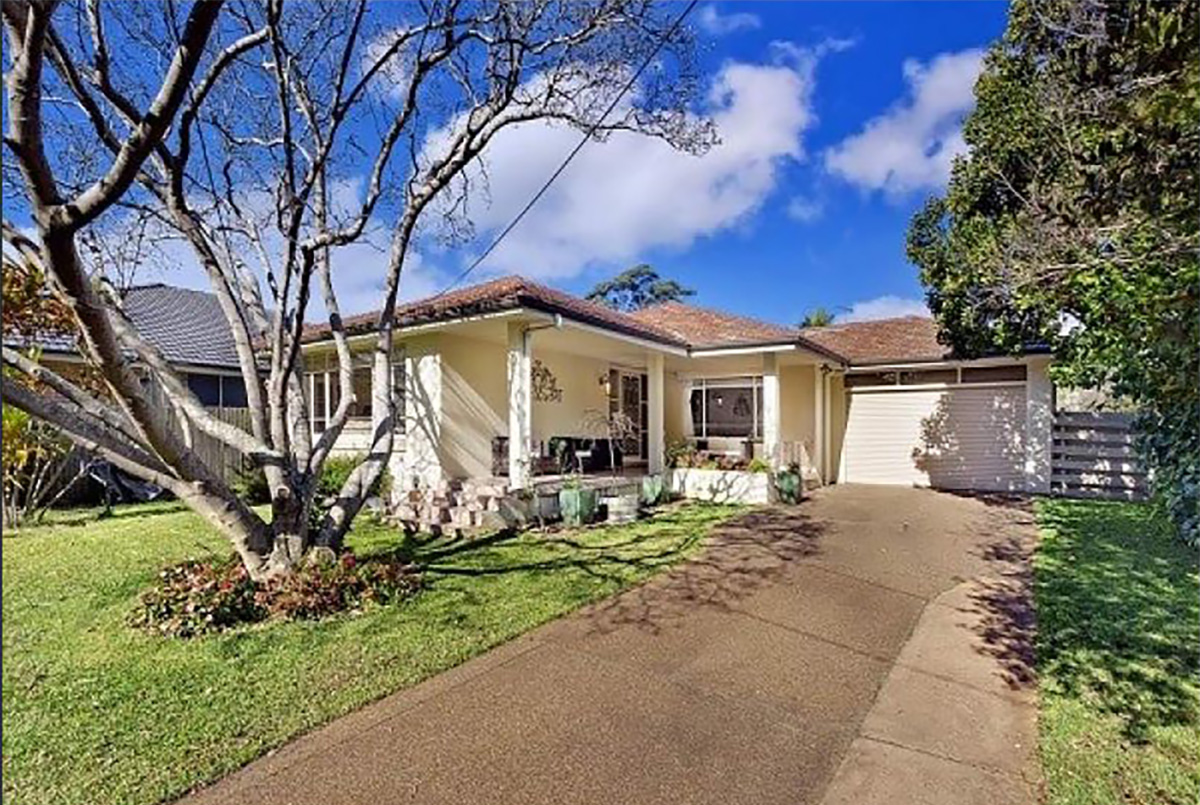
<point>1093,456</point>
<point>217,455</point>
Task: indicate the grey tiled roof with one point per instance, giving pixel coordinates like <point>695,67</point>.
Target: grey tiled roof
<point>188,326</point>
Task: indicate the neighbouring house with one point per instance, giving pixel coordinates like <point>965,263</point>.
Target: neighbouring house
<point>187,326</point>
<point>190,329</point>
<point>497,379</point>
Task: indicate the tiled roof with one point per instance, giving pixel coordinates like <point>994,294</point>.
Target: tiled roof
<point>498,295</point>
<point>866,342</point>
<point>702,327</point>
<point>45,341</point>
<point>675,323</point>
<point>187,326</point>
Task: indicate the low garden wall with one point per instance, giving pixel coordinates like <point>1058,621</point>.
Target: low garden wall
<point>721,486</point>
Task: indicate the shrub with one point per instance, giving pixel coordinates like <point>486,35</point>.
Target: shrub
<point>758,465</point>
<point>197,597</point>
<point>337,471</point>
<point>251,486</point>
<point>323,588</point>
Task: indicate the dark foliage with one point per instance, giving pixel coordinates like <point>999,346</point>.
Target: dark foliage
<point>636,288</point>
<point>1072,221</point>
<point>197,597</point>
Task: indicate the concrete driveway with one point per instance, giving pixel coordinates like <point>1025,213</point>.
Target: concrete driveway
<point>868,646</point>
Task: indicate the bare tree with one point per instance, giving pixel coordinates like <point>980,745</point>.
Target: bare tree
<point>238,148</point>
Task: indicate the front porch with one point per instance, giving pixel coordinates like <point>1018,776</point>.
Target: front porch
<point>527,398</point>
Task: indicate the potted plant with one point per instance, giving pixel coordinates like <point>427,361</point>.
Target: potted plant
<point>788,484</point>
<point>577,505</point>
<point>654,490</point>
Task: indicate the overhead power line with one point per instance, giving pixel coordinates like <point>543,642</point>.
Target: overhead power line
<point>578,147</point>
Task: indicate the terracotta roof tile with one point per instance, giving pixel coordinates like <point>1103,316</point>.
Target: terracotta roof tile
<point>864,342</point>
<point>674,323</point>
<point>502,294</point>
<point>703,327</point>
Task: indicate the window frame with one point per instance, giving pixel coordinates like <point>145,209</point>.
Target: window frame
<point>703,384</point>
<point>326,378</point>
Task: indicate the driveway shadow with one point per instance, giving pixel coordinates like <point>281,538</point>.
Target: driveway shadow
<point>742,556</point>
<point>1002,595</point>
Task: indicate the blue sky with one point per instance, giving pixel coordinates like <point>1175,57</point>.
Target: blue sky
<point>837,121</point>
<point>844,244</point>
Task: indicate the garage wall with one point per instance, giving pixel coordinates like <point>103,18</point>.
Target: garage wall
<point>797,422</point>
<point>837,423</point>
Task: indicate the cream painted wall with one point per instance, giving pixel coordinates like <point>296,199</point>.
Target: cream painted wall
<point>474,400</point>
<point>675,410</point>
<point>579,379</point>
<point>837,422</point>
<point>474,404</point>
<point>796,405</point>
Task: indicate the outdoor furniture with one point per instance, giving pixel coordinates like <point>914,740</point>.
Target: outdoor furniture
<point>585,454</point>
<point>565,454</point>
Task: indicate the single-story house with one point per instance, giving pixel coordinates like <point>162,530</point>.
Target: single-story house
<point>187,326</point>
<point>493,376</point>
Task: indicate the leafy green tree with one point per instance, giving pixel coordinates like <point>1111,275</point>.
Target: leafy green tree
<point>1073,219</point>
<point>817,317</point>
<point>636,288</point>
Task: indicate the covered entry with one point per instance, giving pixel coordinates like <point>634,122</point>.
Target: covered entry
<point>946,427</point>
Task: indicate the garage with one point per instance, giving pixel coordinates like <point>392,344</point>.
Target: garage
<point>948,427</point>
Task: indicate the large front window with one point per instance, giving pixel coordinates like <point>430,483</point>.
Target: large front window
<point>729,407</point>
<point>322,389</point>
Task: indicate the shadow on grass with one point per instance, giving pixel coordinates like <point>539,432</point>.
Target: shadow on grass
<point>1119,613</point>
<point>741,554</point>
<point>95,514</point>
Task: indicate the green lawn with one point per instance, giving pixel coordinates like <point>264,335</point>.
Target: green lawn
<point>95,712</point>
<point>1118,653</point>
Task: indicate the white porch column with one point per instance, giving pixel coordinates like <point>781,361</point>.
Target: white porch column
<point>520,406</point>
<point>655,390</point>
<point>827,464</point>
<point>818,457</point>
<point>771,413</point>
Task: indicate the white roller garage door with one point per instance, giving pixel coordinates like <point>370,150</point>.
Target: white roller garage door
<point>960,438</point>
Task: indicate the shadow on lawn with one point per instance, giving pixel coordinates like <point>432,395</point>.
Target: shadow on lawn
<point>742,554</point>
<point>1119,606</point>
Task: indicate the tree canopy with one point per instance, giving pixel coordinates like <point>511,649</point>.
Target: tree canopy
<point>818,317</point>
<point>265,137</point>
<point>636,288</point>
<point>1073,219</point>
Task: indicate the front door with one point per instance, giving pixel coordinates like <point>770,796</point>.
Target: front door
<point>629,401</point>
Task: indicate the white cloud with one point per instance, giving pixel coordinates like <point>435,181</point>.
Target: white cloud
<point>912,145</point>
<point>884,307</point>
<point>717,24</point>
<point>631,193</point>
<point>805,210</point>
